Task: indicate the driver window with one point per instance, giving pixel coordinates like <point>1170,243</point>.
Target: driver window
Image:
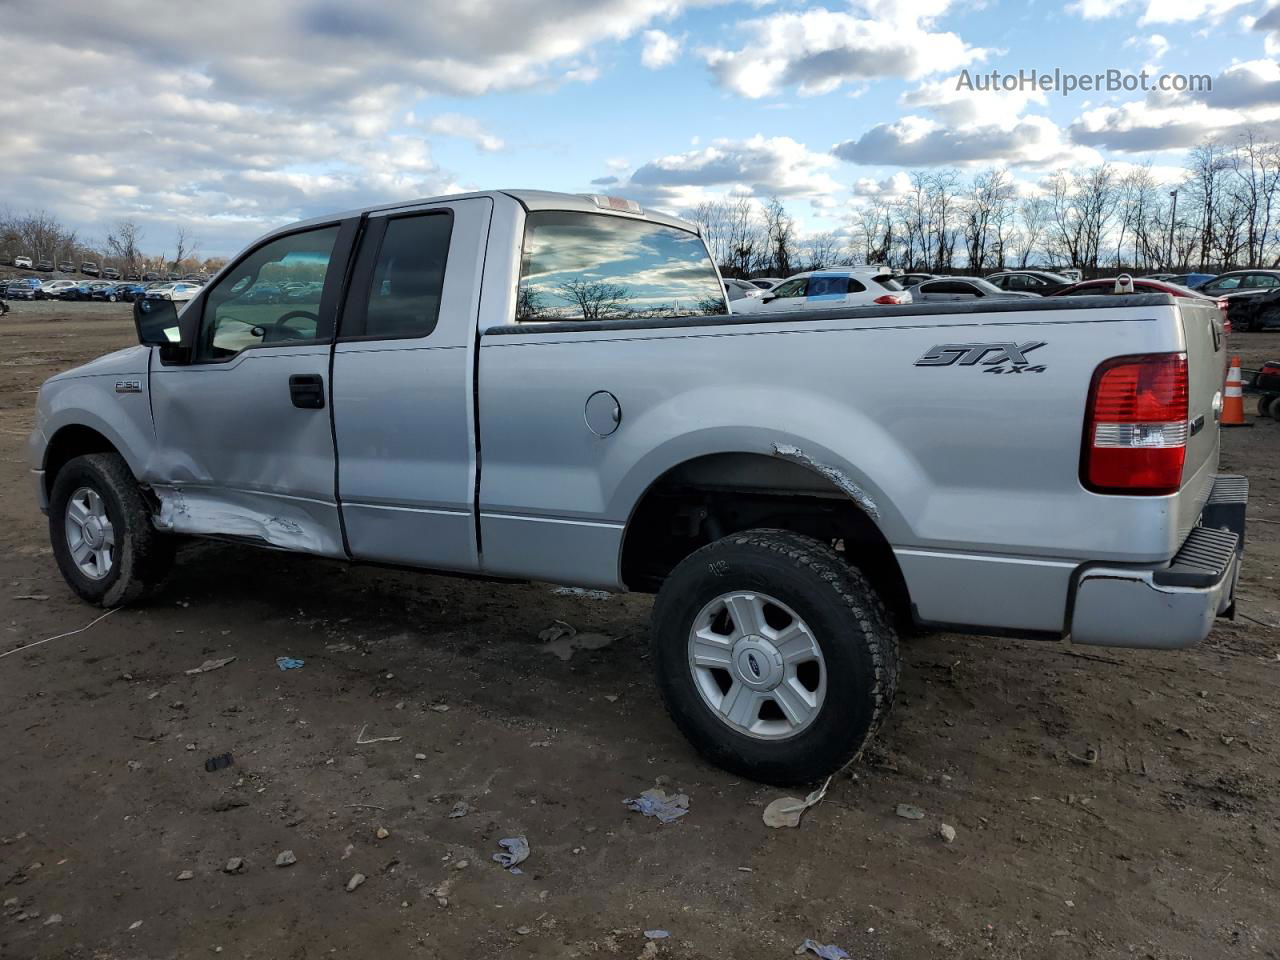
<point>792,288</point>
<point>271,297</point>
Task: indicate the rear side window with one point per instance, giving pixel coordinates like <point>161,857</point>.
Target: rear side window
<point>820,286</point>
<point>888,282</point>
<point>408,277</point>
<point>586,266</point>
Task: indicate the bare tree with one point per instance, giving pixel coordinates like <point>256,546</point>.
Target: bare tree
<point>187,247</point>
<point>779,231</point>
<point>821,250</point>
<point>123,242</point>
<point>596,299</point>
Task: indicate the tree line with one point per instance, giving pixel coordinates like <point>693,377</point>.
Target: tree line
<point>41,236</point>
<point>1224,213</point>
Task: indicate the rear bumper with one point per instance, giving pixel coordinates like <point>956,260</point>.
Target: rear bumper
<point>1171,606</point>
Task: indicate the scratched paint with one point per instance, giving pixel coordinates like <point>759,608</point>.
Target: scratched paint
<point>836,476</point>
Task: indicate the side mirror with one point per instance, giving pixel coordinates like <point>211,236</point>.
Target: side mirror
<point>156,322</point>
<point>769,298</point>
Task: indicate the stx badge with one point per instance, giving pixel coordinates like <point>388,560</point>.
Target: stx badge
<point>993,355</point>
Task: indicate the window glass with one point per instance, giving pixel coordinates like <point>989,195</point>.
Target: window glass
<point>1224,283</point>
<point>889,282</point>
<point>820,286</point>
<point>792,288</point>
<point>408,277</point>
<point>1084,290</point>
<point>270,297</point>
<point>583,266</point>
<point>1263,280</point>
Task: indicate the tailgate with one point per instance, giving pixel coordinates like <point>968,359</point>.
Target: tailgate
<point>1202,331</point>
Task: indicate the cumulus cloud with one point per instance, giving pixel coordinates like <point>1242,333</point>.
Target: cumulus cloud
<point>237,116</point>
<point>1156,11</point>
<point>1245,95</point>
<point>817,51</point>
<point>660,49</point>
<point>463,127</point>
<point>914,141</point>
<point>1269,23</point>
<point>761,165</point>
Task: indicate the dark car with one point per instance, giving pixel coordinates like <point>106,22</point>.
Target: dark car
<point>89,268</point>
<point>110,273</point>
<point>150,277</point>
<point>1252,296</point>
<point>84,291</point>
<point>1193,280</point>
<point>1030,281</point>
<point>113,292</point>
<point>262,293</point>
<point>909,280</point>
<point>66,266</point>
<point>45,266</point>
<point>23,288</point>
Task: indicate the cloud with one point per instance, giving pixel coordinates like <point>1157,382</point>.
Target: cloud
<point>1269,23</point>
<point>660,49</point>
<point>1156,11</point>
<point>956,106</point>
<point>463,127</point>
<point>1245,95</point>
<point>914,141</point>
<point>604,181</point>
<point>817,51</point>
<point>761,165</point>
<point>241,115</point>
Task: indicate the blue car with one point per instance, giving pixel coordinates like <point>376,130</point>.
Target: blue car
<point>128,292</point>
<point>1192,280</point>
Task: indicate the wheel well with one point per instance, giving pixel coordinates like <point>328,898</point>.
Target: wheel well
<point>707,498</point>
<point>69,443</point>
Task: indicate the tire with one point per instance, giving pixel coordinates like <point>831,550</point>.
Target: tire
<point>1264,405</point>
<point>140,557</point>
<point>1275,408</point>
<point>112,298</point>
<point>844,628</point>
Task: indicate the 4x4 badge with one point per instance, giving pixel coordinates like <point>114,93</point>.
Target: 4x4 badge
<point>969,354</point>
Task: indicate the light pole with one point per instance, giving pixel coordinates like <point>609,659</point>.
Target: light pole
<point>1173,214</point>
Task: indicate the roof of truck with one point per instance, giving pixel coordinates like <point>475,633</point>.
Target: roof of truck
<point>529,199</point>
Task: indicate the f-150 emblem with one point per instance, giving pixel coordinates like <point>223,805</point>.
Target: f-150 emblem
<point>969,354</point>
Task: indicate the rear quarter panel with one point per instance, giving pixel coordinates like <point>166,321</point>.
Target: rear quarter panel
<point>953,457</point>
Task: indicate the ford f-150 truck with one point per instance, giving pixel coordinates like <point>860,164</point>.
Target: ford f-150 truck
<point>530,385</point>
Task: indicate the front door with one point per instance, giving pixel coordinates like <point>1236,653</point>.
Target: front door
<point>244,439</point>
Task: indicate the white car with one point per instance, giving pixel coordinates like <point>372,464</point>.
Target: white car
<point>836,287</point>
<point>52,289</point>
<point>173,291</point>
<point>22,262</point>
<point>740,289</point>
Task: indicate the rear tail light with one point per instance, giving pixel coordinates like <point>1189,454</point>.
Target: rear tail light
<point>1224,306</point>
<point>1136,425</point>
<point>888,298</point>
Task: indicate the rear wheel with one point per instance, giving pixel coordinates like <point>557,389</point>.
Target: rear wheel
<point>1265,405</point>
<point>775,658</point>
<point>100,528</point>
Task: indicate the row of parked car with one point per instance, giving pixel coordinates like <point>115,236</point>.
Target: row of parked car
<point>31,288</point>
<point>1249,299</point>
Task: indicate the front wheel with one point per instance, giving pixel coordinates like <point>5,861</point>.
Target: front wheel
<point>775,658</point>
<point>101,532</point>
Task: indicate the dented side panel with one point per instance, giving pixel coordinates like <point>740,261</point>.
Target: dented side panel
<point>235,457</point>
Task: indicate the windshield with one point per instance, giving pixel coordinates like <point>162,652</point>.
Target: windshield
<point>587,266</point>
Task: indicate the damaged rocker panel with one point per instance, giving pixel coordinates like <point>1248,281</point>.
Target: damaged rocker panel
<point>297,524</point>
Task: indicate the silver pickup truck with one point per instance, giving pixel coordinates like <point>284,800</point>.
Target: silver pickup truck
<point>532,385</point>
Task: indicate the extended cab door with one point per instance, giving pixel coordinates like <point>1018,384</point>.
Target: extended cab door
<point>244,444</point>
<point>403,386</point>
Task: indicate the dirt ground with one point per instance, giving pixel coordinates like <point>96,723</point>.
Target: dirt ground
<point>1167,847</point>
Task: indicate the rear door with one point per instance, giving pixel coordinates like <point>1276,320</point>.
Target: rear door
<point>403,386</point>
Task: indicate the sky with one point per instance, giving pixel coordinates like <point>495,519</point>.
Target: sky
<point>234,117</point>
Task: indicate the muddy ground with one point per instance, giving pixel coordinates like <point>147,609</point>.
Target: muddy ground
<point>1167,847</point>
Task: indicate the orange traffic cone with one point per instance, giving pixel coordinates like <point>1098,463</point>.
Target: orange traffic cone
<point>1233,398</point>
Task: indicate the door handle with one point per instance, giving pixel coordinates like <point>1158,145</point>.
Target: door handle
<point>306,390</point>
